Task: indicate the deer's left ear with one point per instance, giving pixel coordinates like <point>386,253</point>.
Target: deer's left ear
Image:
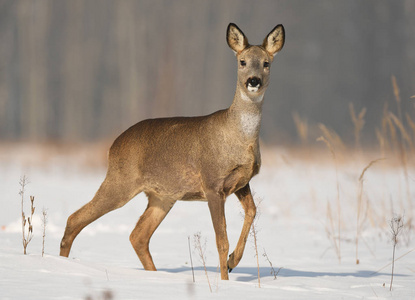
<point>274,41</point>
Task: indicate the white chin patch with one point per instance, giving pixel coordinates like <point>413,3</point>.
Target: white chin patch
<point>253,88</point>
<point>247,98</point>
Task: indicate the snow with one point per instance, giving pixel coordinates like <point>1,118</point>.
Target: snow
<point>293,228</point>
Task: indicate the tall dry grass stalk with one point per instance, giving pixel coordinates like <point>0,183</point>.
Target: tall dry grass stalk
<point>331,231</point>
<point>412,126</point>
<point>254,233</point>
<point>403,156</point>
<point>360,206</point>
<point>382,142</point>
<point>404,133</point>
<point>396,92</point>
<point>333,153</point>
<point>358,122</point>
<point>404,137</point>
<point>302,128</point>
<point>388,129</point>
<point>332,137</point>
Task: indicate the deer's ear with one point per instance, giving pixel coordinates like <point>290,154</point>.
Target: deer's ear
<point>236,39</point>
<point>274,41</point>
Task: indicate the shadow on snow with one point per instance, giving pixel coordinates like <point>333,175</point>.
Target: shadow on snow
<point>251,273</point>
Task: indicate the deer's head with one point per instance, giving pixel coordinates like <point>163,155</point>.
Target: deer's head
<point>254,62</point>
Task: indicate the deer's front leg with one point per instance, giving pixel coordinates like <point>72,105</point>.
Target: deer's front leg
<point>216,204</point>
<point>245,197</point>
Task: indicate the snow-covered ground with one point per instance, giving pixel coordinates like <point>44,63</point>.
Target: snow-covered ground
<point>297,227</point>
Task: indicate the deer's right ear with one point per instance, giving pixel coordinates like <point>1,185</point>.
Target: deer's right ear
<point>236,39</point>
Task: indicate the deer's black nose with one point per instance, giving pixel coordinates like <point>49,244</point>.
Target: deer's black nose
<point>254,81</point>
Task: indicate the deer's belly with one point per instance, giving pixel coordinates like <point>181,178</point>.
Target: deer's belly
<point>178,184</point>
<point>189,184</point>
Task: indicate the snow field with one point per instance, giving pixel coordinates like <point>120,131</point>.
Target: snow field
<point>298,204</point>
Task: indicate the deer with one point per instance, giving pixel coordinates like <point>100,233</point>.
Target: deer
<point>203,158</point>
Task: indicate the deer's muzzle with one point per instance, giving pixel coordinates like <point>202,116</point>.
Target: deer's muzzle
<point>253,84</point>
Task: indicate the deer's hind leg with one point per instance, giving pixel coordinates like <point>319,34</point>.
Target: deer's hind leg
<point>113,193</point>
<point>245,197</point>
<point>155,213</point>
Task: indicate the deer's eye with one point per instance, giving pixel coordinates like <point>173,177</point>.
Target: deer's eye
<point>243,63</point>
<point>266,64</point>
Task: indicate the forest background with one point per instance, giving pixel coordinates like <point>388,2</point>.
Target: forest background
<point>76,71</point>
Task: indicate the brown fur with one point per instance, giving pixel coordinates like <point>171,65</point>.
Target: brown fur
<point>194,158</point>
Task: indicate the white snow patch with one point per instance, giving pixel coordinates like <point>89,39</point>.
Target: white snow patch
<point>292,228</point>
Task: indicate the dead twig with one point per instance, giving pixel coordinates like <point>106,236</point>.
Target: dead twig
<point>396,225</point>
<point>273,272</point>
<point>191,261</point>
<point>44,223</point>
<point>201,249</point>
<point>26,237</point>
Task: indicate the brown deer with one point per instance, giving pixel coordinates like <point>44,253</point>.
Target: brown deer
<point>203,158</point>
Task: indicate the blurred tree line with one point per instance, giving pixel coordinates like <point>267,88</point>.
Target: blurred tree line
<point>84,70</point>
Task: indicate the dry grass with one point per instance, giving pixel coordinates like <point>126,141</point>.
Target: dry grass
<point>404,133</point>
<point>388,129</point>
<point>404,142</point>
<point>302,128</point>
<point>412,126</point>
<point>336,143</point>
<point>358,122</point>
<point>336,241</point>
<point>382,142</point>
<point>361,208</point>
<point>254,233</point>
<point>397,94</point>
<point>331,232</point>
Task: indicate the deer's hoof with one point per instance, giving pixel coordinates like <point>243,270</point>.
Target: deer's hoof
<point>231,262</point>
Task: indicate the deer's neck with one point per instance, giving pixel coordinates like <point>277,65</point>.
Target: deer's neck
<point>246,112</point>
